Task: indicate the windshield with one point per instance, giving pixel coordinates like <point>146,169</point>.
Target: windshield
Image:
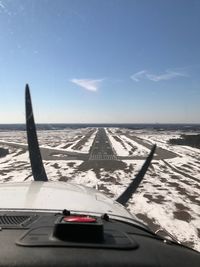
<point>108,80</point>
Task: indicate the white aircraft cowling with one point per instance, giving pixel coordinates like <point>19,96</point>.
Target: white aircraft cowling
<point>58,196</point>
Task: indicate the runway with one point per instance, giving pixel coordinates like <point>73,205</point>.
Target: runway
<point>101,148</point>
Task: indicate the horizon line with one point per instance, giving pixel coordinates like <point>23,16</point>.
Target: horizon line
<point>121,123</point>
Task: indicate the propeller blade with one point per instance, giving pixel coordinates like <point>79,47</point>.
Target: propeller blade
<point>130,190</point>
<point>37,166</point>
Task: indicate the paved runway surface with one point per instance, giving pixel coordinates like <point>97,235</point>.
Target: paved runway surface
<point>101,148</point>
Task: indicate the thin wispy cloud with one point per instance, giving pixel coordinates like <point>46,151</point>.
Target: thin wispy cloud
<point>2,6</point>
<point>139,75</point>
<point>146,75</point>
<point>88,84</point>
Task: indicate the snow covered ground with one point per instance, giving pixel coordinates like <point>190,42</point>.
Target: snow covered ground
<point>169,196</point>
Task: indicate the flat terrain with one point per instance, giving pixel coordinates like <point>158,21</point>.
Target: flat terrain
<point>107,159</point>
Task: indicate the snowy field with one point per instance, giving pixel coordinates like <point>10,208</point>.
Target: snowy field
<point>169,196</point>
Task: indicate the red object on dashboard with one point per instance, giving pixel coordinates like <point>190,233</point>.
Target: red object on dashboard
<point>80,219</point>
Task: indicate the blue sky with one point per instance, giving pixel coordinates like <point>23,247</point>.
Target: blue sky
<point>101,61</point>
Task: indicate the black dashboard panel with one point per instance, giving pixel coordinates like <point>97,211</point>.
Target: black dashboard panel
<point>34,244</point>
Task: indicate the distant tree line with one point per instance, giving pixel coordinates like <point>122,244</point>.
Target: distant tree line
<point>187,140</point>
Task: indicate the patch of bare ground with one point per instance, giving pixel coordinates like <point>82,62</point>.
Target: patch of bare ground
<point>6,161</point>
<point>23,168</point>
<point>131,152</point>
<point>154,175</point>
<point>58,173</point>
<point>151,223</point>
<point>22,151</point>
<point>173,184</point>
<point>56,166</point>
<point>129,169</point>
<point>187,182</point>
<point>197,186</point>
<point>65,169</point>
<point>182,215</point>
<point>190,183</point>
<point>164,168</point>
<point>164,189</point>
<point>63,179</point>
<point>7,179</point>
<point>180,206</point>
<point>111,179</point>
<point>156,198</point>
<point>193,198</point>
<point>20,164</point>
<point>71,164</point>
<point>105,190</point>
<point>198,232</point>
<point>157,185</point>
<point>164,180</point>
<point>156,163</point>
<point>151,168</point>
<point>6,171</point>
